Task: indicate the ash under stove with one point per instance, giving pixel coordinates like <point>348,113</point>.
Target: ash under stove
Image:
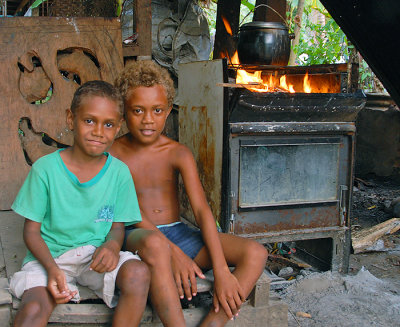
<point>276,167</point>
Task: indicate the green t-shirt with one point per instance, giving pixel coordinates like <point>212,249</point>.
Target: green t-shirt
<point>71,213</point>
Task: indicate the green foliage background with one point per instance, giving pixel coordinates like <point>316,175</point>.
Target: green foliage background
<point>319,43</point>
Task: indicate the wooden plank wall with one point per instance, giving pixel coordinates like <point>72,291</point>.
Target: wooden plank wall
<point>33,50</point>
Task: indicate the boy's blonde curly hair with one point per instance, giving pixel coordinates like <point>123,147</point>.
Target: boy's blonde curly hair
<point>145,73</point>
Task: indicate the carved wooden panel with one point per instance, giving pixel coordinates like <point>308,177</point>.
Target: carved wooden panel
<point>42,62</point>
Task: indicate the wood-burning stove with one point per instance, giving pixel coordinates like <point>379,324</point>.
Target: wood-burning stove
<point>275,166</point>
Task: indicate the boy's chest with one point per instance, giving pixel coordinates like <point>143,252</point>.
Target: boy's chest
<point>152,170</point>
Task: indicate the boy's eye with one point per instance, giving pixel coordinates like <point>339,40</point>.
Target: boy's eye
<point>158,110</point>
<point>138,111</point>
<point>109,125</point>
<point>89,121</point>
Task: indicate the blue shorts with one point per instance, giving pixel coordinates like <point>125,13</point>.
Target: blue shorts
<point>188,239</point>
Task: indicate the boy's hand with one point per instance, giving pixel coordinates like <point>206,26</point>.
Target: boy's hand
<point>227,293</point>
<point>57,286</point>
<point>185,270</point>
<point>105,258</point>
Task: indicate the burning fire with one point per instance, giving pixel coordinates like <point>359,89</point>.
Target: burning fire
<point>255,82</point>
<point>227,26</point>
<point>306,84</point>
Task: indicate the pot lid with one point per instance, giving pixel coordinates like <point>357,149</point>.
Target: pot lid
<point>263,25</point>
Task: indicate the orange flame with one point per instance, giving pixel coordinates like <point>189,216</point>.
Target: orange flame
<point>254,81</point>
<point>306,84</point>
<point>235,59</point>
<point>284,85</point>
<point>227,25</point>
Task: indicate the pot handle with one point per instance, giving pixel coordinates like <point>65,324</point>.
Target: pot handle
<point>269,7</point>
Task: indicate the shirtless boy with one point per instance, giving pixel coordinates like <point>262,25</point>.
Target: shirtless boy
<point>155,162</point>
<point>75,202</point>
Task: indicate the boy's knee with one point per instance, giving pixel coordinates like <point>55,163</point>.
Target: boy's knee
<point>257,252</point>
<point>134,276</point>
<point>154,248</point>
<point>33,309</point>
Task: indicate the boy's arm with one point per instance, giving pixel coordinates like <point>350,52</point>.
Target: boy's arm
<point>106,256</point>
<point>56,284</point>
<point>227,290</point>
<point>183,267</point>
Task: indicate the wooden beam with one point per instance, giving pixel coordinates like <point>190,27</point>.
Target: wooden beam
<point>362,240</point>
<point>265,14</point>
<point>143,27</point>
<point>225,43</point>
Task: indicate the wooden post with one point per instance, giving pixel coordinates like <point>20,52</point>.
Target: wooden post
<point>224,42</point>
<point>142,22</point>
<point>265,14</point>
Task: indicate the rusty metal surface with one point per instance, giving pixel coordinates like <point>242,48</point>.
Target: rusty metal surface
<point>200,127</point>
<point>286,219</point>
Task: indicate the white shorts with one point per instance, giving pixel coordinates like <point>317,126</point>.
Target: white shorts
<point>75,263</point>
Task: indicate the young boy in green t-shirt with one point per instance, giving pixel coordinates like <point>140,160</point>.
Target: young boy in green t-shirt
<point>76,202</point>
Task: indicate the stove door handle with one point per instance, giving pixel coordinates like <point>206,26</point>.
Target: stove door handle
<point>343,204</point>
<point>231,229</point>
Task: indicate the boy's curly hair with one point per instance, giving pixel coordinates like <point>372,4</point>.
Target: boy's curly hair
<point>145,73</point>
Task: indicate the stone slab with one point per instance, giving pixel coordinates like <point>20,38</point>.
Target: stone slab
<point>89,313</point>
<point>260,295</point>
<point>5,296</point>
<point>278,313</point>
<point>12,242</point>
<point>5,316</point>
<point>273,315</point>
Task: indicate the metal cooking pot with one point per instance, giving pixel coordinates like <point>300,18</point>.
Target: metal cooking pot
<point>264,43</point>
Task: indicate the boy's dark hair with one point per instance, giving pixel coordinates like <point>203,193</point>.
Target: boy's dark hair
<point>145,73</point>
<point>97,88</point>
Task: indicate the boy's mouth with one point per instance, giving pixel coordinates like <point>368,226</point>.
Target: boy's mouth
<point>147,132</point>
<point>95,142</point>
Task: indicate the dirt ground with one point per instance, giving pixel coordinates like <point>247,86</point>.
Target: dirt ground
<point>369,295</point>
<point>371,205</point>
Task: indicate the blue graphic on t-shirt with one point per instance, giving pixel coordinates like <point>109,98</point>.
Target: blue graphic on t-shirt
<point>106,213</point>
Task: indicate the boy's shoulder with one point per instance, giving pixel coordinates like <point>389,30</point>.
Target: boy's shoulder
<point>47,161</point>
<point>117,164</point>
<point>180,148</point>
<point>123,145</point>
<point>175,149</point>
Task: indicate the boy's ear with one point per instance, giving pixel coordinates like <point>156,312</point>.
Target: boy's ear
<point>70,119</point>
<point>119,125</point>
<point>169,110</point>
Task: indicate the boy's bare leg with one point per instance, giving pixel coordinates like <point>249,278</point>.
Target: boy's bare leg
<point>133,281</point>
<point>155,251</point>
<point>35,309</point>
<point>247,256</point>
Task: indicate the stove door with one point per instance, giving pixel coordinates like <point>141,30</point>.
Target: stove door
<point>288,182</point>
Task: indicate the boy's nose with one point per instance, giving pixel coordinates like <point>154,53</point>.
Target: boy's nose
<point>98,130</point>
<point>148,118</point>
